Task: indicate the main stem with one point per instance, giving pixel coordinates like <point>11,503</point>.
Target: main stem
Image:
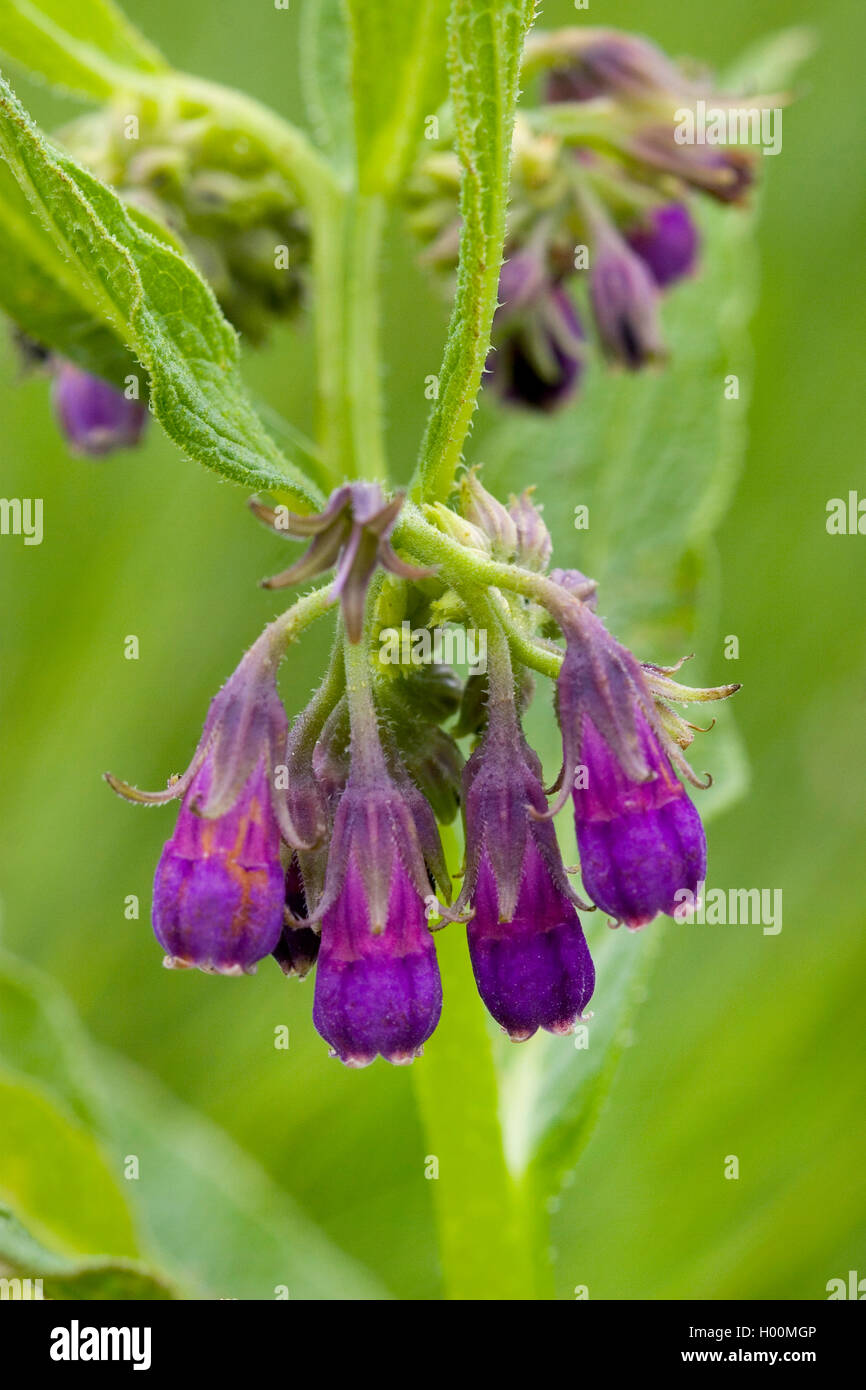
<point>347,239</point>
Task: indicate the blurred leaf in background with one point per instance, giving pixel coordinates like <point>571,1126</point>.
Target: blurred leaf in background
<point>262,1167</point>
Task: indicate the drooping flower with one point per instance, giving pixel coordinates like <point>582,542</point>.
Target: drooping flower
<point>530,959</point>
<point>640,843</point>
<point>726,173</point>
<point>538,341</point>
<point>94,416</point>
<point>591,63</point>
<point>378,991</point>
<point>585,64</point>
<point>219,890</point>
<point>625,302</point>
<point>639,836</point>
<point>350,535</point>
<point>666,240</point>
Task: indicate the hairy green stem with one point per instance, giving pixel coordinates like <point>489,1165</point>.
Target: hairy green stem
<point>483,39</point>
<point>467,571</point>
<point>547,661</point>
<point>367,753</point>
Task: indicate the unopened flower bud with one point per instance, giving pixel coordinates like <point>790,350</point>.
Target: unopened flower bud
<point>486,512</point>
<point>534,545</point>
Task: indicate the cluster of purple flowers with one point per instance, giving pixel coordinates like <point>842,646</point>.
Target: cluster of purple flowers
<point>318,844</point>
<point>600,206</point>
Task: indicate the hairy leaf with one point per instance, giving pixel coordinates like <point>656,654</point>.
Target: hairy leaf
<point>43,295</point>
<point>211,1213</point>
<point>58,1276</point>
<point>155,301</point>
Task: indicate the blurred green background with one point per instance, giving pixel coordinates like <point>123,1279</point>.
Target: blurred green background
<point>747,1044</point>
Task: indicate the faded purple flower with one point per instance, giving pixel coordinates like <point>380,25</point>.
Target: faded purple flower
<point>94,416</point>
<point>725,173</point>
<point>350,536</point>
<point>604,62</point>
<point>218,891</point>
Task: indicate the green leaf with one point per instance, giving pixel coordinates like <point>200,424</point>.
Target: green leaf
<point>82,47</point>
<point>55,1175</point>
<point>325,71</point>
<point>392,52</point>
<point>155,301</point>
<point>43,295</point>
<point>58,1276</point>
<point>41,1037</point>
<point>485,45</point>
<point>211,1213</point>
